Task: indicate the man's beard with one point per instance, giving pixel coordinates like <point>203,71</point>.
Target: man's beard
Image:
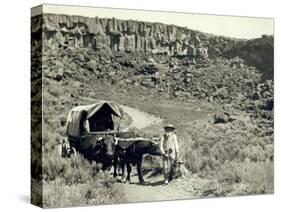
<point>168,134</point>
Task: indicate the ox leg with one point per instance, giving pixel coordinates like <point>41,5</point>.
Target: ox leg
<point>141,180</point>
<point>115,163</point>
<point>123,172</point>
<point>129,169</point>
<point>103,167</point>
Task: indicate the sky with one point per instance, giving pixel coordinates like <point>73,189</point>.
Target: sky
<point>230,26</point>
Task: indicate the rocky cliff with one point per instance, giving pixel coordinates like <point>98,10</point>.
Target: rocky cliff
<point>129,36</point>
<point>113,35</point>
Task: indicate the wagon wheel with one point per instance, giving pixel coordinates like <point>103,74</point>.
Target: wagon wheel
<point>67,150</point>
<point>72,151</point>
<point>63,149</point>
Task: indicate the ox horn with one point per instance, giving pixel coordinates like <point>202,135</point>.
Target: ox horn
<point>153,142</point>
<point>116,141</point>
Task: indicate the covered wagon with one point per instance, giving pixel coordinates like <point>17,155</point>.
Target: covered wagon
<point>87,125</point>
<point>94,118</point>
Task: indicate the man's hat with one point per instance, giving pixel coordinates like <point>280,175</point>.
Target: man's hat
<point>169,126</point>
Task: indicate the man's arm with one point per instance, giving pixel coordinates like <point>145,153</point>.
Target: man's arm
<point>161,144</point>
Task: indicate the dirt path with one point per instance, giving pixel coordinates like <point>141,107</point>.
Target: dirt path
<point>140,119</point>
<point>154,190</point>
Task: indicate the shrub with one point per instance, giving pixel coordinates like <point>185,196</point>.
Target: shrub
<point>74,170</point>
<point>257,177</point>
<point>74,181</point>
<point>99,191</point>
<point>231,154</point>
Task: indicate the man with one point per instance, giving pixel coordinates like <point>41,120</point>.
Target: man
<point>169,148</point>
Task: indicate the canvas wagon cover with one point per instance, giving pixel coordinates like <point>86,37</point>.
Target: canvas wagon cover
<point>75,115</point>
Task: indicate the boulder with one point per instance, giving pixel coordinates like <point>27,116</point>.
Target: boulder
<point>57,74</point>
<point>91,65</point>
<point>148,83</point>
<point>80,57</point>
<point>221,117</point>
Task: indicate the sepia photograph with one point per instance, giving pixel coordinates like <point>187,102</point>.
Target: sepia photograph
<point>133,106</point>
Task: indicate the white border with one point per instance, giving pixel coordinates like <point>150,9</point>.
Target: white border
<point>15,102</point>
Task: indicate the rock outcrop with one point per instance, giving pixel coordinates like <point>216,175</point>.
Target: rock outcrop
<point>129,36</point>
<point>113,35</point>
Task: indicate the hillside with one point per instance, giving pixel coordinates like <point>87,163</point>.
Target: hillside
<point>207,86</point>
<point>257,52</point>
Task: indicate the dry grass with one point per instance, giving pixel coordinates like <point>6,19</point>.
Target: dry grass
<point>98,190</point>
<point>231,155</point>
<point>74,181</point>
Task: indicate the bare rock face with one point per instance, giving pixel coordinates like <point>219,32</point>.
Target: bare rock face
<point>129,36</point>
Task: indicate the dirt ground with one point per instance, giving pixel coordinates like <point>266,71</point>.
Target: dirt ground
<point>140,119</point>
<point>156,191</point>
